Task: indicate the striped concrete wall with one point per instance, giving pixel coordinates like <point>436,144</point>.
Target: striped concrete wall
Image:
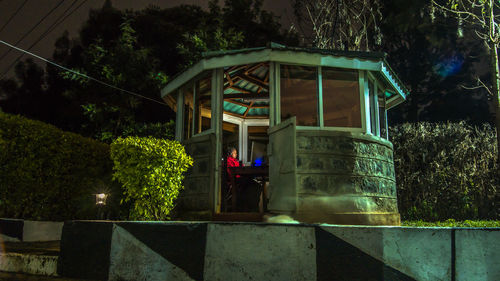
<point>14,230</point>
<point>262,251</point>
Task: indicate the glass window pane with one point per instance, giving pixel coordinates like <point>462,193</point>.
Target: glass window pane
<point>203,105</point>
<point>230,136</point>
<point>299,94</point>
<point>188,111</point>
<point>256,134</point>
<point>341,100</point>
<point>373,107</point>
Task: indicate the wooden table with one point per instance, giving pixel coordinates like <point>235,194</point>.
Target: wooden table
<point>261,171</point>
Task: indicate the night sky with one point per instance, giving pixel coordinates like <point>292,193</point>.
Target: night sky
<point>34,10</point>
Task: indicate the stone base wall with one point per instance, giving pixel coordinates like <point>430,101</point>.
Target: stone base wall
<point>344,178</point>
<point>199,179</point>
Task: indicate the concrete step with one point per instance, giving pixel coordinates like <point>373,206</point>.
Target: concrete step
<point>30,264</point>
<point>37,258</point>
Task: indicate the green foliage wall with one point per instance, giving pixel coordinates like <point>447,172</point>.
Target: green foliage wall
<point>151,172</point>
<point>49,174</point>
<point>446,171</point>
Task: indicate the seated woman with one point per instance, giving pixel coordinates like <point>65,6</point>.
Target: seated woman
<point>232,161</point>
<point>248,189</point>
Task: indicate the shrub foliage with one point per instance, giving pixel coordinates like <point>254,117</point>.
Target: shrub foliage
<point>49,174</point>
<point>451,223</point>
<point>151,172</point>
<point>446,171</point>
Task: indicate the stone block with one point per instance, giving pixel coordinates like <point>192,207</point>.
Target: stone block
<point>328,204</point>
<point>477,254</point>
<point>339,184</point>
<point>270,252</point>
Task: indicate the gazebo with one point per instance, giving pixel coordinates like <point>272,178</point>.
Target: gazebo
<point>315,120</point>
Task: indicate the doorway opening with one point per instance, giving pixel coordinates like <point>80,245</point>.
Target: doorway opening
<point>245,174</point>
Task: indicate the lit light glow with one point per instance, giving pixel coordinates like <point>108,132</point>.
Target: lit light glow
<point>100,198</point>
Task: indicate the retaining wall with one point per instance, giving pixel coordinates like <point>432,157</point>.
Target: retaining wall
<point>30,231</point>
<point>262,251</point>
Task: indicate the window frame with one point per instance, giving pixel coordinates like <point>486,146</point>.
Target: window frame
<point>319,93</point>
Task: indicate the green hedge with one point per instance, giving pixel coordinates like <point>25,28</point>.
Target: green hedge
<point>446,171</point>
<point>49,174</point>
<point>151,172</point>
<point>452,223</point>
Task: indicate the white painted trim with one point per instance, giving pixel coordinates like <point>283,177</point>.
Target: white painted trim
<point>365,102</point>
<point>243,125</point>
<point>238,59</point>
<point>214,85</point>
<point>320,105</point>
<point>193,125</point>
<point>375,110</point>
<point>394,101</point>
<point>272,94</point>
<point>341,129</point>
<point>277,96</point>
<point>216,126</point>
<point>386,125</point>
<point>244,136</point>
<point>179,117</point>
<point>257,122</point>
<point>389,77</point>
<point>304,58</point>
<point>231,119</point>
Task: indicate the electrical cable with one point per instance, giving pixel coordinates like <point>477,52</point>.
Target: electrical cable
<point>50,29</point>
<point>33,28</point>
<point>81,74</point>
<point>78,7</point>
<point>13,15</point>
<point>56,22</point>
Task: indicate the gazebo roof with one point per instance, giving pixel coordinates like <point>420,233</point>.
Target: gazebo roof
<point>246,88</point>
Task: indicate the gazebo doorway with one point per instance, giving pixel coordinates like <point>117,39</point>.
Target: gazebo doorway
<point>245,123</point>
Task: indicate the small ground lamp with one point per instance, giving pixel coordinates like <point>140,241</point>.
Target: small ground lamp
<point>100,199</point>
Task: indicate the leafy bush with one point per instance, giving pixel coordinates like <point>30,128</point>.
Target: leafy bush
<point>446,171</point>
<point>49,174</point>
<point>151,171</point>
<point>452,223</point>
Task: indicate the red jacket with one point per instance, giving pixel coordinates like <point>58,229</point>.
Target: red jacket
<point>232,162</point>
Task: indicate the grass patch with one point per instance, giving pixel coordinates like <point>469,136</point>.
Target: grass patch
<point>452,223</point>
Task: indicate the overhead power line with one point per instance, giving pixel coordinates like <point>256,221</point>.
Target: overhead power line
<point>74,10</point>
<point>81,74</point>
<point>33,28</point>
<point>13,15</point>
<point>55,24</point>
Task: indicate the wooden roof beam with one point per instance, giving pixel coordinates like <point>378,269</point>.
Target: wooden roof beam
<point>236,88</point>
<point>253,68</point>
<point>248,109</point>
<point>246,96</point>
<point>249,117</point>
<point>254,80</point>
<point>246,105</point>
